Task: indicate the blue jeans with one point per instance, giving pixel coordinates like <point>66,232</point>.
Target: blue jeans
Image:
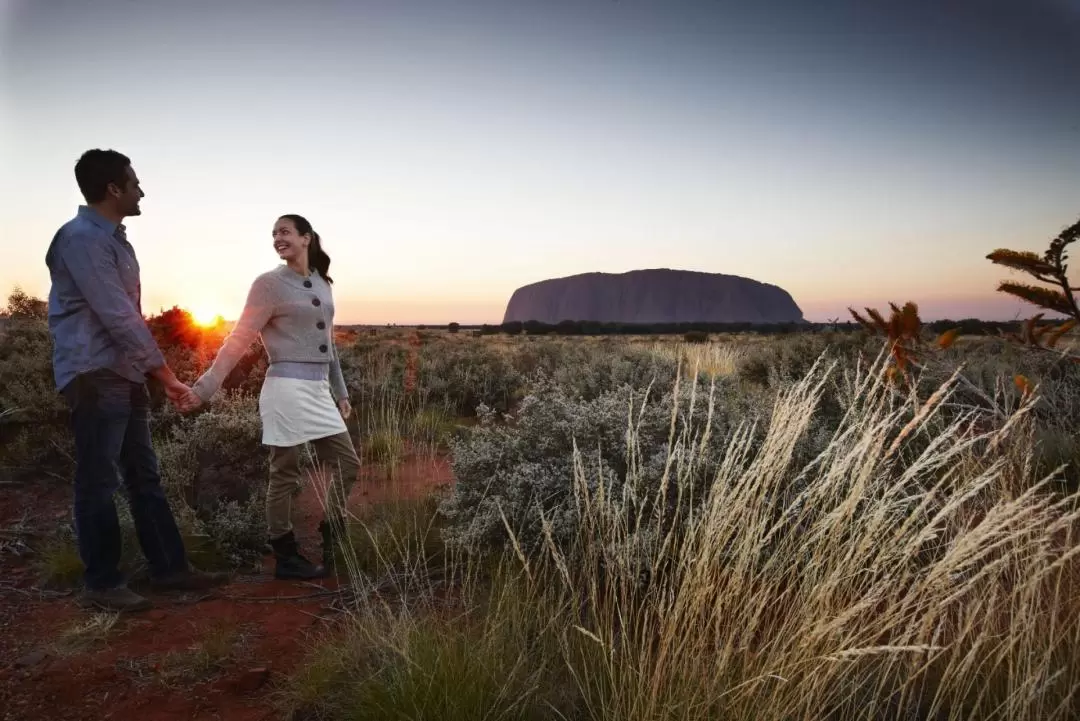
<point>110,417</point>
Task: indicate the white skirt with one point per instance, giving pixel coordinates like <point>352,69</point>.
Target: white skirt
<point>296,411</point>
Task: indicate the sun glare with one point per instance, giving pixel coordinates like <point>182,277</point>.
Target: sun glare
<point>205,317</point>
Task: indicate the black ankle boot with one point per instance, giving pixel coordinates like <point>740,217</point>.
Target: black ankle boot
<point>290,564</point>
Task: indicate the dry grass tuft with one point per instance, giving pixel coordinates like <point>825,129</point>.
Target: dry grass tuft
<point>709,360</point>
<point>917,567</point>
<point>85,634</point>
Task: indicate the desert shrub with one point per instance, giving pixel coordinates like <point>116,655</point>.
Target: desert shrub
<point>216,454</point>
<point>453,327</point>
<point>373,370</point>
<point>462,377</point>
<point>189,350</point>
<point>398,539</point>
<point>1032,361</point>
<point>214,464</point>
<point>988,369</point>
<point>912,566</point>
<point>431,428</point>
<point>586,369</point>
<point>882,588</point>
<point>695,336</point>
<point>587,372</point>
<point>33,415</point>
<point>493,658</point>
<point>779,362</point>
<point>236,530</point>
<point>57,561</point>
<point>508,470</point>
<point>175,328</point>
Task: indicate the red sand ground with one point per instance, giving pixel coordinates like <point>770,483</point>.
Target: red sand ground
<point>130,675</point>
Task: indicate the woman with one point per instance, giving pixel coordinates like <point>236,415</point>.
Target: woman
<point>303,398</point>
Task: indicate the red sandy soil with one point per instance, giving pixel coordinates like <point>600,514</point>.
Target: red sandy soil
<point>130,674</point>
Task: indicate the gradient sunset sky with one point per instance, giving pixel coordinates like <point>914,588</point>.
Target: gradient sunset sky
<point>851,151</point>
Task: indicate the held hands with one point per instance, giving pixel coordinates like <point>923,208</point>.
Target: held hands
<point>182,397</point>
<point>344,408</point>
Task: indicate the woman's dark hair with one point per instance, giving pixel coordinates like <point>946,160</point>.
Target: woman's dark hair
<point>317,257</point>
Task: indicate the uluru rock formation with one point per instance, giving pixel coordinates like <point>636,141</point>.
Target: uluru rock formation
<point>652,296</point>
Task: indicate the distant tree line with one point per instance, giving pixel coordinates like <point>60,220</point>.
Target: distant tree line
<point>174,327</point>
<point>694,331</point>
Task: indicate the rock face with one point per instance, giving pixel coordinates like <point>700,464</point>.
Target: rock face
<point>652,296</point>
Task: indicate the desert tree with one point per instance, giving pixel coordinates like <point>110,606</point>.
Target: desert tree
<point>1052,291</point>
<point>23,306</point>
<point>903,327</point>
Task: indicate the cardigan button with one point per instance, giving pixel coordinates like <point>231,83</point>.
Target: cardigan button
<point>307,283</point>
<point>316,302</point>
<point>320,325</point>
<point>323,348</point>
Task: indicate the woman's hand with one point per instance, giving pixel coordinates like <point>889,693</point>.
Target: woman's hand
<point>344,408</point>
<point>182,397</point>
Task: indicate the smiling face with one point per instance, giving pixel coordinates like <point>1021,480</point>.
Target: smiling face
<point>290,245</point>
<point>126,199</point>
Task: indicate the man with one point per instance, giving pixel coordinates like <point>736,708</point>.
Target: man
<point>103,353</point>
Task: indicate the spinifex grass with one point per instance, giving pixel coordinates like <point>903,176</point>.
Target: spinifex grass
<point>85,633</point>
<point>881,581</point>
<point>397,540</point>
<point>487,657</point>
<point>916,568</point>
<point>709,360</point>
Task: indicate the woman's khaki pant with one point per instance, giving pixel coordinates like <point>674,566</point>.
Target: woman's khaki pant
<point>334,455</point>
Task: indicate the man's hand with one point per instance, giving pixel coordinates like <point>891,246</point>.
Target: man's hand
<point>182,397</point>
<point>344,408</point>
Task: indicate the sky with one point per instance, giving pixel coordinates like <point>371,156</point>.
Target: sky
<point>853,152</point>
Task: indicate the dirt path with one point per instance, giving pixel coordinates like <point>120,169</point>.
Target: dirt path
<point>188,658</point>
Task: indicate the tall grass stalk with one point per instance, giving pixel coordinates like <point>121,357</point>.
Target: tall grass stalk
<point>896,576</point>
<point>705,359</point>
<point>916,568</point>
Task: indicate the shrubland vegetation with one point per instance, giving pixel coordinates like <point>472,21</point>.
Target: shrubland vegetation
<point>969,326</point>
<point>824,525</point>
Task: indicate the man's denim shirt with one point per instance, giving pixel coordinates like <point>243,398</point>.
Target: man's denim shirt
<point>95,305</point>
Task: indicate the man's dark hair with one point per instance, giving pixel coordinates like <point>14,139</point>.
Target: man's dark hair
<point>96,169</point>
